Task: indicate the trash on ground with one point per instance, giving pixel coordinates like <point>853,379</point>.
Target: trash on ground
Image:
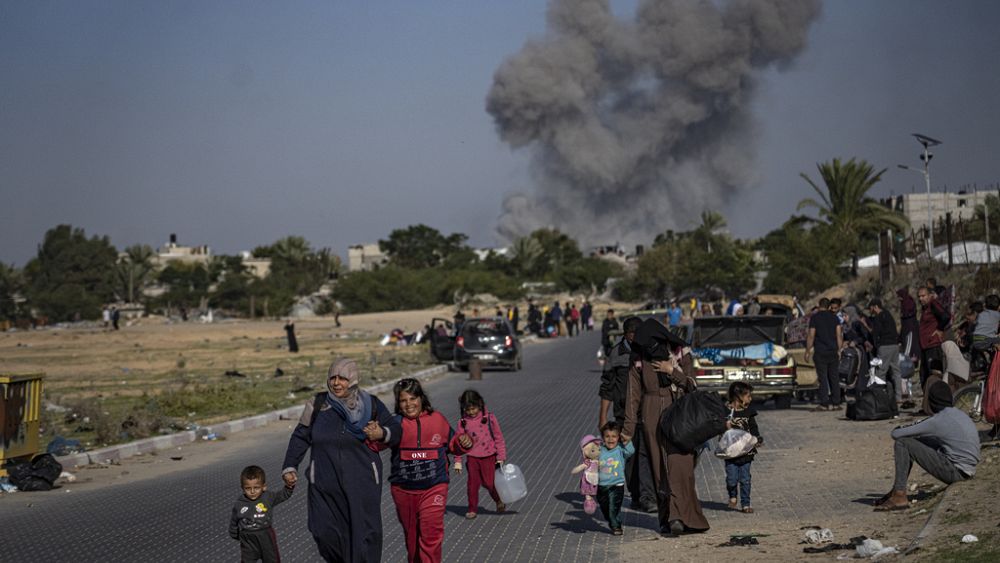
<point>740,540</point>
<point>68,477</point>
<point>6,486</point>
<point>969,538</point>
<point>211,436</point>
<point>234,373</point>
<point>854,543</point>
<point>874,549</point>
<point>60,446</point>
<point>39,474</point>
<point>822,535</point>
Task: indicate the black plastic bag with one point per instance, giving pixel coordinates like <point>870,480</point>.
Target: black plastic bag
<point>38,475</point>
<point>693,419</point>
<point>874,403</point>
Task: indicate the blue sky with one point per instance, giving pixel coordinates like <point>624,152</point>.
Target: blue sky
<point>233,124</point>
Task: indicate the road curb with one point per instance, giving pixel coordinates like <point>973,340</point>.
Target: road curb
<point>119,452</point>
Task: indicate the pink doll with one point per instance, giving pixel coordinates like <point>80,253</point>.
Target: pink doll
<point>590,446</point>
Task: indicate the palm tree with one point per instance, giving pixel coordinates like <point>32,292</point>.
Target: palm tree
<point>845,205</point>
<point>527,251</point>
<point>135,269</point>
<point>711,223</point>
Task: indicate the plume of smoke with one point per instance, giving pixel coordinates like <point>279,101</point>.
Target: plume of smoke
<point>637,126</point>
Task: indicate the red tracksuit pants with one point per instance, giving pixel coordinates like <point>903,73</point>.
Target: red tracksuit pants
<point>481,473</point>
<point>421,512</point>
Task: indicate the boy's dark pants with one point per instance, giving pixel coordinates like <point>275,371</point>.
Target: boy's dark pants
<point>259,545</point>
<point>610,501</point>
<point>738,475</point>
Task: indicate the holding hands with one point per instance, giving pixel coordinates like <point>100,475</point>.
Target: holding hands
<point>465,441</point>
<point>373,431</point>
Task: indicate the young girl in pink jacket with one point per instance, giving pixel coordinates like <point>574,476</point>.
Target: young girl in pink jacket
<point>489,450</point>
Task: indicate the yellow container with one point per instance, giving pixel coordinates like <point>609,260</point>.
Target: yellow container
<point>20,416</point>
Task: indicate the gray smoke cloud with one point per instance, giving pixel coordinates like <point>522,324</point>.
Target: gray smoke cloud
<point>638,126</point>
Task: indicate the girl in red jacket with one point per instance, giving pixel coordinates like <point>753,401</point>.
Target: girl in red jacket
<point>419,478</point>
<point>489,450</point>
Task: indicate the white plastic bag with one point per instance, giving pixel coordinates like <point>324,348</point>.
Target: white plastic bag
<point>510,483</point>
<point>735,443</point>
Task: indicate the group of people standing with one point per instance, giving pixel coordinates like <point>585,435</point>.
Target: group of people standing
<point>560,320</point>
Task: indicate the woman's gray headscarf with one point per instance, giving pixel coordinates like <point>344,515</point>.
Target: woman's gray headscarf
<point>352,403</point>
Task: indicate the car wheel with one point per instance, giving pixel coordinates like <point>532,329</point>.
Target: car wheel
<point>783,402</point>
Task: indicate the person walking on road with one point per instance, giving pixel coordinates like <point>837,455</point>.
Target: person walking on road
<point>886,342</point>
<point>613,393</point>
<point>253,512</point>
<point>556,314</point>
<point>653,386</point>
<point>419,476</point>
<point>934,320</point>
<point>488,453</point>
<point>826,338</point>
<point>345,475</point>
<point>586,316</point>
<point>609,325</point>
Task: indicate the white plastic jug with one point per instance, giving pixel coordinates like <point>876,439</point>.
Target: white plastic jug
<point>510,483</point>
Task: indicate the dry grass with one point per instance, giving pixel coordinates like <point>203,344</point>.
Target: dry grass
<point>155,377</point>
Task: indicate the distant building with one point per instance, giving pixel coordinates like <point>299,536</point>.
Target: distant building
<point>257,267</point>
<point>961,205</point>
<point>173,252</point>
<point>365,257</point>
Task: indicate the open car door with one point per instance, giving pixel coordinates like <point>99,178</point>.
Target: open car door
<point>442,340</point>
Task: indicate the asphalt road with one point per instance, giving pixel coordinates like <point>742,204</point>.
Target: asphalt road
<point>183,516</point>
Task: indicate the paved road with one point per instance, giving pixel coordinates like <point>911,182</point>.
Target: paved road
<point>544,410</point>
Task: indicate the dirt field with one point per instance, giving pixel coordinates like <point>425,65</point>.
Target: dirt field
<point>177,371</point>
<point>156,376</point>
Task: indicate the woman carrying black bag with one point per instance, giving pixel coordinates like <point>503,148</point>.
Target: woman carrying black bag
<point>661,372</point>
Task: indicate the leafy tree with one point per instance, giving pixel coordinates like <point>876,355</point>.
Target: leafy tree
<point>71,274</point>
<point>232,291</point>
<point>420,246</point>
<point>976,229</point>
<point>134,271</point>
<point>698,261</point>
<point>188,283</point>
<point>296,270</point>
<point>800,260</point>
<point>11,289</point>
<point>558,250</point>
<point>588,273</point>
<point>845,205</point>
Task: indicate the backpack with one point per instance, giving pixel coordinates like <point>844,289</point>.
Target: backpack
<point>320,398</point>
<point>850,359</point>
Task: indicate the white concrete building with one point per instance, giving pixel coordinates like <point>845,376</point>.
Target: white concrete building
<point>365,257</point>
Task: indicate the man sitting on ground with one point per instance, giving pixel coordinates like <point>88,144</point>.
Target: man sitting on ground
<point>946,446</point>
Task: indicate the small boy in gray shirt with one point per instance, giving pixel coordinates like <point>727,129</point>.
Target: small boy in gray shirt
<point>251,519</point>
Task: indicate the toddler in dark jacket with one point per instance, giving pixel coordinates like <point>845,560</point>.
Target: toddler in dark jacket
<point>251,519</point>
<point>744,417</point>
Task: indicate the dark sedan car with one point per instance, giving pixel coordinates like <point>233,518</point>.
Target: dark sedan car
<point>490,341</point>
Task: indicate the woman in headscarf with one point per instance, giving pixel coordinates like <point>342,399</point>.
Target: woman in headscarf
<point>653,385</point>
<point>345,475</point>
